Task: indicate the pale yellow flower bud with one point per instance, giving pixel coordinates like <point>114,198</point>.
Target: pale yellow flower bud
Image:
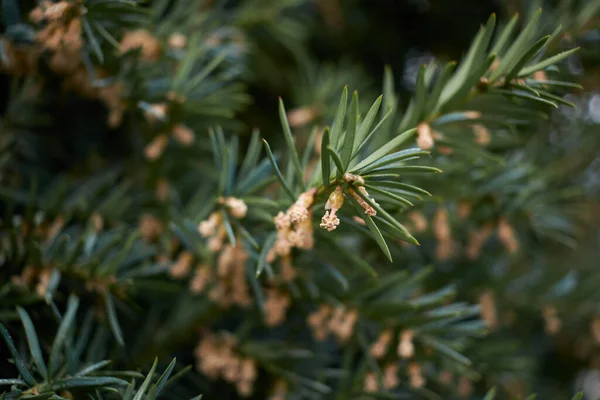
<point>183,134</point>
<point>156,147</point>
<point>424,139</point>
<point>177,41</point>
<point>406,348</point>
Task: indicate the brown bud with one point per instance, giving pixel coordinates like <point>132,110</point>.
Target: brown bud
<point>156,147</point>
<point>183,134</point>
<point>424,139</point>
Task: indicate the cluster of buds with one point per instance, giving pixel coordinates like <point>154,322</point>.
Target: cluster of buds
<point>477,239</point>
<point>294,228</point>
<point>181,268</point>
<point>276,306</point>
<point>415,375</point>
<point>30,276</point>
<point>487,305</point>
<point>213,228</point>
<point>111,96</point>
<point>288,272</point>
<point>62,36</point>
<point>150,227</point>
<point>482,134</point>
<point>382,344</point>
<point>236,207</point>
<point>552,320</point>
<point>231,287</point>
<point>61,33</point>
<point>102,284</point>
<point>359,182</point>
<point>202,276</point>
<point>441,231</point>
<point>141,39</point>
<point>330,221</point>
<point>370,383</point>
<point>47,231</point>
<point>418,220</point>
<point>339,322</point>
<point>507,236</point>
<point>216,358</point>
<point>19,60</point>
<point>390,376</point>
<point>390,379</point>
<point>156,147</point>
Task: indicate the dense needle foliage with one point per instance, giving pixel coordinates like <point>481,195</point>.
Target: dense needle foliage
<point>285,199</point>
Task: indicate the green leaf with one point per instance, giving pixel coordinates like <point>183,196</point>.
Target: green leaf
<point>284,184</point>
<point>396,157</point>
<point>491,395</point>
<point>557,99</point>
<point>504,37</point>
<point>509,59</point>
<point>440,82</point>
<point>191,83</point>
<point>471,62</point>
<point>336,160</point>
<point>389,194</point>
<point>27,377</point>
<point>447,350</point>
<point>142,390</point>
<point>338,124</point>
<point>262,259</point>
<point>89,382</point>
<point>547,62</point>
<point>522,95</point>
<point>348,144</point>
<point>252,155</point>
<point>410,169</point>
<point>536,83</point>
<point>325,159</point>
<point>289,139</point>
<point>6,382</point>
<point>375,130</point>
<point>375,232</point>
<point>386,148</point>
<point>530,54</point>
<point>112,318</point>
<point>401,186</point>
<point>415,109</point>
<point>366,124</point>
<point>92,368</point>
<point>385,215</point>
<point>61,335</point>
<point>92,40</point>
<point>33,342</point>
<point>578,396</point>
<point>228,227</point>
<point>164,377</point>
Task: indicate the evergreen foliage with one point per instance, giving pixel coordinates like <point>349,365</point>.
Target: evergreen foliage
<point>166,232</point>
